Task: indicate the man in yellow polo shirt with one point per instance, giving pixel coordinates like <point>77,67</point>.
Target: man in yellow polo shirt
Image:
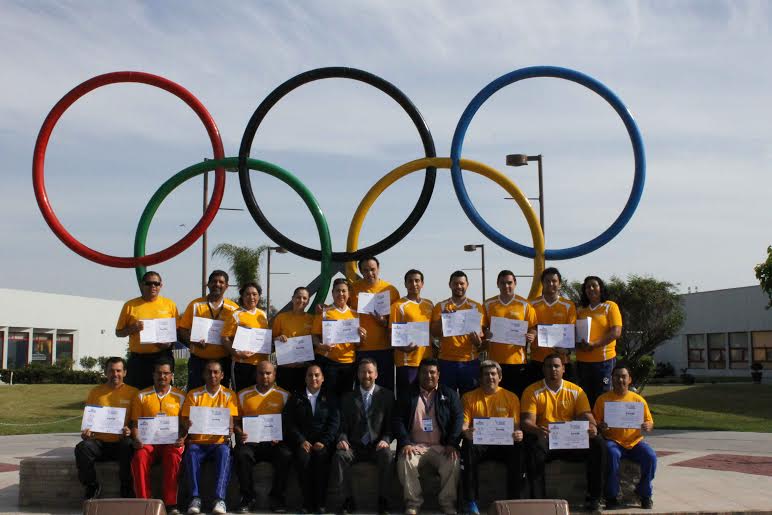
<point>459,366</point>
<point>95,447</point>
<point>411,308</point>
<point>554,400</point>
<point>377,346</point>
<point>201,445</point>
<point>511,357</point>
<point>150,306</point>
<point>213,307</point>
<point>489,401</point>
<point>626,443</point>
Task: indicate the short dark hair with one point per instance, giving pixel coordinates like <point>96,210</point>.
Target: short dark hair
<point>367,361</point>
<point>619,366</point>
<point>365,259</point>
<point>163,360</point>
<point>553,356</point>
<point>551,271</point>
<point>429,362</point>
<point>250,284</point>
<point>115,359</point>
<point>149,273</point>
<point>458,273</point>
<point>505,273</point>
<point>341,280</point>
<point>295,292</point>
<point>314,364</point>
<point>218,273</point>
<point>584,301</point>
<point>211,362</point>
<point>413,271</point>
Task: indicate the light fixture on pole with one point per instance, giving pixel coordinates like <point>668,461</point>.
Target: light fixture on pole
<point>278,250</point>
<point>471,248</point>
<point>522,160</point>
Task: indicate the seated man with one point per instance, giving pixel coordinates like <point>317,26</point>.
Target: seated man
<point>489,401</point>
<point>626,443</point>
<point>160,400</point>
<point>310,422</point>
<point>365,435</point>
<point>202,446</point>
<point>556,400</point>
<point>104,446</point>
<point>427,425</point>
<point>262,398</point>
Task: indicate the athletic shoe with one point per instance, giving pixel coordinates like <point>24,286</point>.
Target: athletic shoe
<point>219,507</point>
<point>195,506</point>
<point>92,491</point>
<point>472,509</point>
<point>647,503</point>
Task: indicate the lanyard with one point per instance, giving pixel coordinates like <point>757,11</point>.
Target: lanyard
<point>211,311</point>
<point>427,404</point>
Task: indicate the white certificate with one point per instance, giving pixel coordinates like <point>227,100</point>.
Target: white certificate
<point>493,431</point>
<point>294,350</point>
<point>461,323</point>
<point>210,421</point>
<point>252,340</point>
<point>410,333</point>
<point>507,330</point>
<point>207,330</point>
<point>340,331</point>
<point>583,326</point>
<point>625,415</point>
<point>158,430</point>
<point>262,428</point>
<point>570,435</point>
<point>158,330</point>
<point>556,335</point>
<point>378,304</point>
<point>103,419</point>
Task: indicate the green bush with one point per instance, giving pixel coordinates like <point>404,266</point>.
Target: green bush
<point>180,373</point>
<point>664,369</point>
<point>87,362</point>
<point>641,370</point>
<point>50,374</point>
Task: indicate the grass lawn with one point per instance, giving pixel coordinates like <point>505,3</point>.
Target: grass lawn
<point>44,405</point>
<point>718,407</point>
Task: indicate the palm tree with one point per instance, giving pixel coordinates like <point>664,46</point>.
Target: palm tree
<point>244,261</point>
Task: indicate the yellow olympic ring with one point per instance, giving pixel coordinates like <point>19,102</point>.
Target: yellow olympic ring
<point>502,180</point>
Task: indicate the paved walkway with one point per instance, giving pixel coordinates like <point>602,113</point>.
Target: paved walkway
<point>698,471</point>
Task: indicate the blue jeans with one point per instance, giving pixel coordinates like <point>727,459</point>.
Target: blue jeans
<point>642,454</point>
<point>461,375</point>
<point>195,454</point>
<point>385,361</point>
<point>595,378</point>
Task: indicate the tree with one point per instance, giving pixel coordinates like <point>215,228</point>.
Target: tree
<point>764,275</point>
<point>244,261</point>
<point>652,313</point>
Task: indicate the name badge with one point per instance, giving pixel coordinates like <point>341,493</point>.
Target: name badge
<point>427,425</point>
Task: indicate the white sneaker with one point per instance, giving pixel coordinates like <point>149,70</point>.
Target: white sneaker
<point>195,506</point>
<point>219,508</point>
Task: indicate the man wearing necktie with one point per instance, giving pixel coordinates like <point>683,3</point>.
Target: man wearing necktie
<point>365,435</point>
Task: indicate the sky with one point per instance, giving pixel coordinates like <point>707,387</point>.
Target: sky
<point>696,77</point>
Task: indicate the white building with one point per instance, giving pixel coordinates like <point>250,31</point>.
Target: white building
<point>724,332</point>
<point>47,327</point>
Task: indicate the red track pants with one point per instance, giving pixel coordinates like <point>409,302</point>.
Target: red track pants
<point>170,457</point>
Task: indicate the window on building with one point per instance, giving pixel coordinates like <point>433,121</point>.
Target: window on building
<point>42,348</point>
<point>696,348</point>
<point>738,350</point>
<point>63,347</point>
<point>18,343</point>
<point>717,350</point>
<point>762,347</point>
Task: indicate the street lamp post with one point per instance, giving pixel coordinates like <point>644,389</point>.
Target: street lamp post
<point>522,160</point>
<point>278,250</point>
<point>472,248</point>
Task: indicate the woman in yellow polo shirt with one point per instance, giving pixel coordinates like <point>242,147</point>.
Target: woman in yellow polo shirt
<point>251,317</point>
<point>291,324</point>
<point>337,360</point>
<point>596,358</point>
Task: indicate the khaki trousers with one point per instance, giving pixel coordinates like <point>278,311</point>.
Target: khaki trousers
<point>448,469</point>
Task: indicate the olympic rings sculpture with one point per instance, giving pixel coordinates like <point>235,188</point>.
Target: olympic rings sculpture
<point>326,255</point>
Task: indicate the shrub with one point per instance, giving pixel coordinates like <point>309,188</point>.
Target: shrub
<point>641,370</point>
<point>48,374</point>
<point>180,373</point>
<point>665,369</point>
<point>87,362</point>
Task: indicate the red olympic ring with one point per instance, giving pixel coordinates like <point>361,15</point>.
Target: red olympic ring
<point>38,165</point>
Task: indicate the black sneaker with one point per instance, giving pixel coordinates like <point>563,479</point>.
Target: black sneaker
<point>244,506</point>
<point>612,503</point>
<point>647,503</point>
<point>383,506</point>
<point>592,504</point>
<point>278,505</point>
<point>348,507</point>
<point>92,491</point>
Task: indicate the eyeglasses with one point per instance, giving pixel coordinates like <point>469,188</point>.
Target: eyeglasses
<point>152,283</point>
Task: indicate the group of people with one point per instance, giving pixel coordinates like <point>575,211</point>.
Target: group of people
<point>356,397</point>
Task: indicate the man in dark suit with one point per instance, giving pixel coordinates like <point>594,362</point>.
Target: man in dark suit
<point>427,425</point>
<point>311,422</point>
<point>365,435</point>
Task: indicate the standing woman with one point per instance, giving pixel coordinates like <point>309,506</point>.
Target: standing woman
<point>291,324</point>
<point>596,358</point>
<point>251,317</point>
<point>337,360</point>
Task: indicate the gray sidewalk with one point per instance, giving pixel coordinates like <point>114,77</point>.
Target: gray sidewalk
<point>677,488</point>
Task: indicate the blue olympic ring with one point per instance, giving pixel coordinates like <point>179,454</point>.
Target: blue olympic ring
<point>588,82</point>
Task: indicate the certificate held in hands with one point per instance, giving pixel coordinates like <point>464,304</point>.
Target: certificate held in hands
<point>252,340</point>
<point>377,304</point>
<point>507,330</point>
<point>340,331</point>
<point>103,419</point>
<point>210,421</point>
<point>556,335</point>
<point>623,415</point>
<point>461,323</point>
<point>493,431</point>
<point>410,333</point>
<point>158,330</point>
<point>207,330</point>
<point>294,350</point>
<point>158,430</point>
<point>569,435</point>
<point>263,428</point>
